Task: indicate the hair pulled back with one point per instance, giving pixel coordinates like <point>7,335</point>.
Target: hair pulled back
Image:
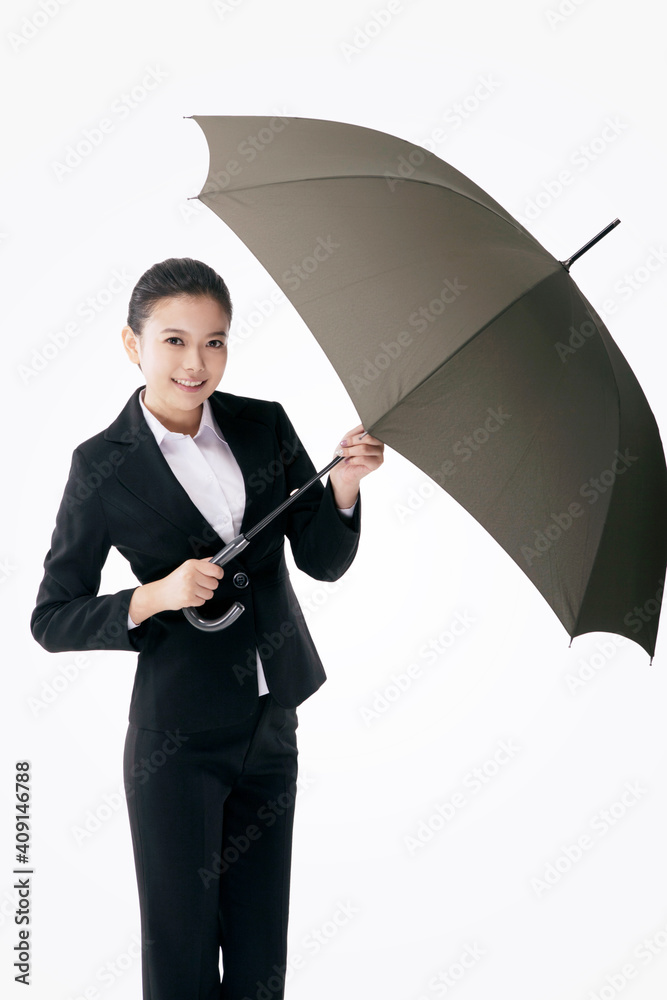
<point>175,276</point>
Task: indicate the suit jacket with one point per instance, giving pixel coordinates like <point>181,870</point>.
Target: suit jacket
<point>122,492</point>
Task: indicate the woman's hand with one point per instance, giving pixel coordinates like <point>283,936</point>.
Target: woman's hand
<point>190,585</point>
<point>362,455</point>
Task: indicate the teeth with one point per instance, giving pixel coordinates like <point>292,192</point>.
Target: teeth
<point>182,381</point>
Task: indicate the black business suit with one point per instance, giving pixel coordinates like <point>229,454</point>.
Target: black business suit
<point>121,492</point>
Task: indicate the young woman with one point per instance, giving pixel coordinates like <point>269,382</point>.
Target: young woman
<point>210,760</point>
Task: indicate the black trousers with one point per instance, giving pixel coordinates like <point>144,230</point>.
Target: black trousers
<point>211,815</point>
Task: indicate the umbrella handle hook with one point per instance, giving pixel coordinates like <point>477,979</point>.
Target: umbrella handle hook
<point>217,624</point>
<point>214,624</point>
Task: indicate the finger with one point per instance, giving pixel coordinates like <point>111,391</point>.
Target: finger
<point>208,583</point>
<point>365,462</point>
<point>203,595</point>
<point>355,433</point>
<point>363,438</point>
<point>204,579</point>
<point>359,450</point>
<point>211,568</point>
<point>353,439</point>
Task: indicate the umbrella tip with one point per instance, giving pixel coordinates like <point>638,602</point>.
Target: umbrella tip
<point>591,243</point>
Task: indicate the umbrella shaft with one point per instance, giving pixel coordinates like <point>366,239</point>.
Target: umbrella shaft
<point>274,513</point>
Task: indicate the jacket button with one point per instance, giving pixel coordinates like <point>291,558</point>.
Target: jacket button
<point>241,580</point>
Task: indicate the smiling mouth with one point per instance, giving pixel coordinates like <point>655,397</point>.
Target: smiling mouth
<point>188,382</point>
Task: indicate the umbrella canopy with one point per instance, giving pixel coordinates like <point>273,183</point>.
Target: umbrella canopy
<point>465,346</point>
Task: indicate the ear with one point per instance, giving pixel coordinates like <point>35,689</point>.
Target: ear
<point>131,344</point>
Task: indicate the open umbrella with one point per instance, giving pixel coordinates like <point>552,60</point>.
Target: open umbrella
<point>465,346</point>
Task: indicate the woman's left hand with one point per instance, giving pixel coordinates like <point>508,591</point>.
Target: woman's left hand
<point>361,456</point>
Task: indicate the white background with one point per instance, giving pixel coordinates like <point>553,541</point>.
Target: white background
<point>535,89</point>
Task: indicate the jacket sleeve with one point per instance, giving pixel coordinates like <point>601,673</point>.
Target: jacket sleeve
<point>324,542</point>
<point>68,614</point>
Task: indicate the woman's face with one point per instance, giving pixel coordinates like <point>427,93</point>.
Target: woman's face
<point>183,340</point>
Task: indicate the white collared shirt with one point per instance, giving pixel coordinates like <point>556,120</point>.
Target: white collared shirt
<point>205,467</point>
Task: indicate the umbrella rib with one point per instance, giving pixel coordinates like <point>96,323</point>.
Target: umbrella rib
<point>470,339</point>
<point>505,216</point>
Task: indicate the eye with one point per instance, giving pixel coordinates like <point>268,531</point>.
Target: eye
<point>218,343</point>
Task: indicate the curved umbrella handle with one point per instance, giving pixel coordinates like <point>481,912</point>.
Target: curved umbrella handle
<point>216,624</point>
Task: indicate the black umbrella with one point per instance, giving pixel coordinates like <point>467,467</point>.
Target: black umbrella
<point>465,346</point>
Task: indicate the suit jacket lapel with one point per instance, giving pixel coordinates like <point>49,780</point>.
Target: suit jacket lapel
<point>144,471</point>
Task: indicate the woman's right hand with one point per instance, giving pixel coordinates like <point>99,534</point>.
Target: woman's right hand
<point>190,585</point>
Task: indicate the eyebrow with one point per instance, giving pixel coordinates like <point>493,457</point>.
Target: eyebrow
<point>172,329</point>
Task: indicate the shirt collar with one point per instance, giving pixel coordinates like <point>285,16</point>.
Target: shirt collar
<point>161,432</point>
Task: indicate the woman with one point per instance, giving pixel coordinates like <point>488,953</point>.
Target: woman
<point>210,758</point>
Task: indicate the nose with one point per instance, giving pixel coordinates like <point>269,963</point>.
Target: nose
<point>194,365</point>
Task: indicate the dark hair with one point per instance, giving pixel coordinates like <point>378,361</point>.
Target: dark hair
<point>175,276</point>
